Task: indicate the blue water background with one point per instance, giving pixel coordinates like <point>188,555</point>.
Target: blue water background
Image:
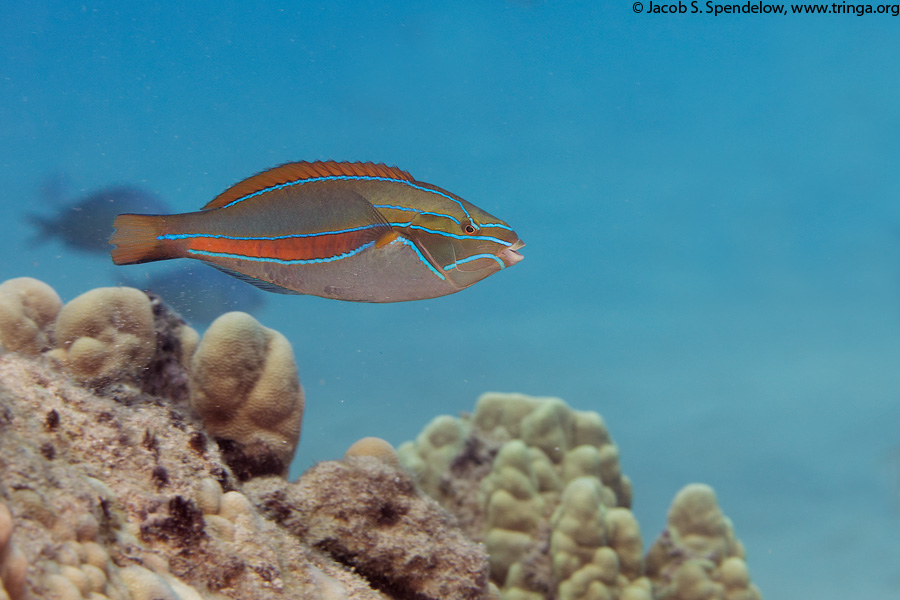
<point>710,207</point>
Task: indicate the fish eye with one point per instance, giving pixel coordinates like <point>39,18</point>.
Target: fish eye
<point>469,228</point>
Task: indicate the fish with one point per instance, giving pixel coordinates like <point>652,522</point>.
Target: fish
<point>354,231</point>
<point>84,223</point>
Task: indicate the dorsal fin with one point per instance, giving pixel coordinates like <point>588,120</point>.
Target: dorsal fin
<point>305,170</point>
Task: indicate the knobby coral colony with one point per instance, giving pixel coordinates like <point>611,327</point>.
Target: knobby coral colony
<point>139,461</point>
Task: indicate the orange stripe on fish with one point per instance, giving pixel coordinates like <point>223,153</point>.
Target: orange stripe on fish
<point>285,249</point>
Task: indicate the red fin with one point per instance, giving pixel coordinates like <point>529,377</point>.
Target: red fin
<point>136,240</point>
<point>304,170</point>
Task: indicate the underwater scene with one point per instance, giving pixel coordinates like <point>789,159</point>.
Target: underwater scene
<point>514,300</point>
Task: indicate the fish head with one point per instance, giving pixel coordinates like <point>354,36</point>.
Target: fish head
<point>469,248</point>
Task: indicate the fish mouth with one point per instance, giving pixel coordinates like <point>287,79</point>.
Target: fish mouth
<point>509,256</point>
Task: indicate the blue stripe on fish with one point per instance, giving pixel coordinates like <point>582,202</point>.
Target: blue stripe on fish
<point>453,265</point>
<point>486,238</point>
<point>417,211</point>
<point>452,218</point>
<point>347,178</point>
<point>498,226</point>
<point>185,236</point>
<point>418,252</point>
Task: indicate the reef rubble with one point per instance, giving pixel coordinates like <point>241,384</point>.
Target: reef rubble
<point>139,461</point>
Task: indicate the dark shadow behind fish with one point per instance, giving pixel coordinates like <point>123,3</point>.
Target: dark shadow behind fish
<point>85,223</point>
<point>199,293</point>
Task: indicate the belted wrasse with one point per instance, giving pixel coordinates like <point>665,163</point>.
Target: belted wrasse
<point>351,231</point>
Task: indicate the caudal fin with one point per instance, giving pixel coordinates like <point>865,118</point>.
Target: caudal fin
<point>136,240</point>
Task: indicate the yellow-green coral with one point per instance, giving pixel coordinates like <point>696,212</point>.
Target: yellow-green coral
<point>577,443</point>
<point>595,550</point>
<point>698,556</point>
<point>579,532</point>
<point>535,451</point>
<point>513,507</point>
<point>244,386</point>
<point>430,456</point>
<point>552,508</point>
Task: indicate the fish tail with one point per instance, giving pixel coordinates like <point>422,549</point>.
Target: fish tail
<point>136,240</point>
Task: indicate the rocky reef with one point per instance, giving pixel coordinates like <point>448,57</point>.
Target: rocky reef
<point>139,461</point>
